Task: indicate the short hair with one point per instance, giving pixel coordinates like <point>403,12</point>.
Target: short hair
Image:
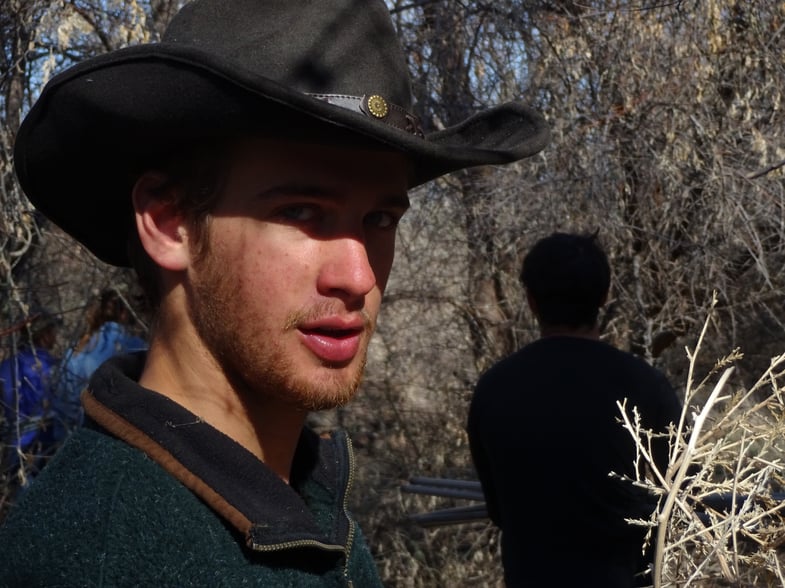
<point>568,277</point>
<point>194,181</point>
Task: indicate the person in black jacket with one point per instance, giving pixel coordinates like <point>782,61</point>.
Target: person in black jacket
<point>545,433</point>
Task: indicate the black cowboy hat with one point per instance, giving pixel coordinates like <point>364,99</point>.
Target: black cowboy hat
<point>226,67</point>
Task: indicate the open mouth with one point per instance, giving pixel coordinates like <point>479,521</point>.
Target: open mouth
<point>333,346</point>
<point>333,333</point>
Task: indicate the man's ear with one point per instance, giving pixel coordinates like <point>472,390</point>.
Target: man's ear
<point>161,227</point>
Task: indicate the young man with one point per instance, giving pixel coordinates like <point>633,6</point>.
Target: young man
<point>544,431</point>
<point>253,167</point>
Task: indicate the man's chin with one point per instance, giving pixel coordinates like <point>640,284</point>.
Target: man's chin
<point>332,387</point>
<point>322,400</point>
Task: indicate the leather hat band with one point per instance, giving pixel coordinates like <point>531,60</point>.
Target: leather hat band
<point>376,107</point>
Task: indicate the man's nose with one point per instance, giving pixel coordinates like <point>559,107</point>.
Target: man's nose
<point>346,268</point>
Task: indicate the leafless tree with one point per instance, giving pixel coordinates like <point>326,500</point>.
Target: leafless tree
<point>667,121</point>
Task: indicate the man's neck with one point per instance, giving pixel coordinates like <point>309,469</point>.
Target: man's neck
<point>592,332</point>
<point>266,427</point>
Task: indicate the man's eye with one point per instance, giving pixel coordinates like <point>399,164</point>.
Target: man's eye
<point>382,220</point>
<point>298,213</point>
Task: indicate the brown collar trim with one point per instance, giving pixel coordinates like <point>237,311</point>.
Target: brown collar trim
<point>124,430</point>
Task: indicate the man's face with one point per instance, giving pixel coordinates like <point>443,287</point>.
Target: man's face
<point>299,250</point>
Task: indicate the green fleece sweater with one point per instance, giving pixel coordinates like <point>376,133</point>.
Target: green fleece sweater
<point>105,513</point>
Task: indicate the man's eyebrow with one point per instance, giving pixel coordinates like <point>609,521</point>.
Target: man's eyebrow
<point>295,189</point>
<point>397,200</point>
<point>392,199</point>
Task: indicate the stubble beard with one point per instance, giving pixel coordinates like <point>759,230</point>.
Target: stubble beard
<point>256,365</point>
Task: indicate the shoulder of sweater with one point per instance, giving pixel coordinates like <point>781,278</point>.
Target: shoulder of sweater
<point>101,496</point>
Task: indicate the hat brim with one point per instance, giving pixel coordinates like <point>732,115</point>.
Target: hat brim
<point>98,122</point>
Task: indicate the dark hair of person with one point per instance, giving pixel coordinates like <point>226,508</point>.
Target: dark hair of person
<point>43,329</point>
<point>568,277</point>
<point>194,180</point>
<point>109,307</point>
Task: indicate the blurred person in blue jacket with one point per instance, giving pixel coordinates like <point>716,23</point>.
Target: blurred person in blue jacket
<point>26,379</point>
<point>108,333</point>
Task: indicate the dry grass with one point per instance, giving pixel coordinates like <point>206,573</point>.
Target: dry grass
<point>729,445</point>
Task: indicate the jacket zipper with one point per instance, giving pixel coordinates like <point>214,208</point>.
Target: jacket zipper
<point>319,544</point>
<point>298,543</point>
<point>346,492</point>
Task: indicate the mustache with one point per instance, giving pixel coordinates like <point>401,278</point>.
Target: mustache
<point>325,309</point>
